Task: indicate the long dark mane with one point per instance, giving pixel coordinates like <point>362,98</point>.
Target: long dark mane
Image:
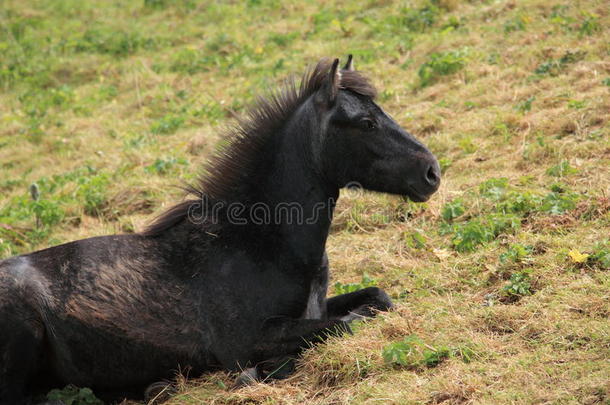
<point>249,137</point>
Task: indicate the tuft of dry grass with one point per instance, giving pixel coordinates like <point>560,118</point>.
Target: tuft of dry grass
<point>108,123</point>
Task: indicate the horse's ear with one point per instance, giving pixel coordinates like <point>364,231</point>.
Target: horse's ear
<point>349,65</point>
<point>328,91</point>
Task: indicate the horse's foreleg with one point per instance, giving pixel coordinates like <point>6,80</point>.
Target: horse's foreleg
<point>284,336</point>
<point>282,339</point>
<point>279,337</point>
<point>358,304</point>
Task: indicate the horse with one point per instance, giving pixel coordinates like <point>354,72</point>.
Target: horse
<point>235,276</point>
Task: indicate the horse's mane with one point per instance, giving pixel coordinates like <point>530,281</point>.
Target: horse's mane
<point>249,136</point>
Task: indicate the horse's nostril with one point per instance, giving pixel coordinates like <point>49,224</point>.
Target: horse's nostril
<point>432,176</point>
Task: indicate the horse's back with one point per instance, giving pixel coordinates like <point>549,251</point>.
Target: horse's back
<point>52,273</point>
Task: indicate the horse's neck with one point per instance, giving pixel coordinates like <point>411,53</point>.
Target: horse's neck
<point>293,183</point>
<point>286,184</point>
<point>303,233</point>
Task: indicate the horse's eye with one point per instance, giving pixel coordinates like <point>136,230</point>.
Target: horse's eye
<point>368,124</point>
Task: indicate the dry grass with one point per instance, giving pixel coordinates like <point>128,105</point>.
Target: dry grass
<point>493,118</point>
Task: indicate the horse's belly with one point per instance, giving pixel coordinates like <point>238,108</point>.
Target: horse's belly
<point>107,358</point>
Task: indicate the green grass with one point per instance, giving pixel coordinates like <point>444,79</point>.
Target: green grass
<point>500,281</point>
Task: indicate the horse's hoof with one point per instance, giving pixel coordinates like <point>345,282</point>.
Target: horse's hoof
<point>280,369</point>
<point>247,377</point>
<point>158,392</point>
<point>353,316</point>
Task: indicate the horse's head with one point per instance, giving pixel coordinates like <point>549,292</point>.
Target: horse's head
<point>362,144</point>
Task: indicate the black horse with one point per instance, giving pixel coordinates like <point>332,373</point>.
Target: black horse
<point>234,277</point>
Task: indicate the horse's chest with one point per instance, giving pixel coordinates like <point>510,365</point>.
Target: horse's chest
<point>314,306</point>
<point>316,300</point>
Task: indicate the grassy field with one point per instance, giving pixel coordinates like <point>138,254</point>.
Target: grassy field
<point>501,281</point>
